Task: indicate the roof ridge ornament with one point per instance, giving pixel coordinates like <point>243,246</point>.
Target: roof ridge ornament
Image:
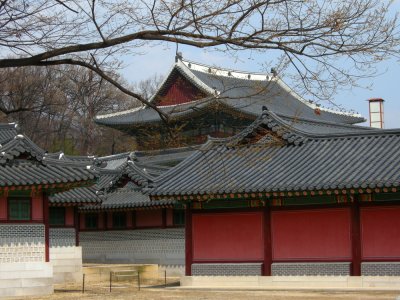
<point>178,56</point>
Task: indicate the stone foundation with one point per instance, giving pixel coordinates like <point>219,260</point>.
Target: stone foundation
<point>67,264</point>
<point>26,279</point>
<point>65,256</point>
<point>292,282</point>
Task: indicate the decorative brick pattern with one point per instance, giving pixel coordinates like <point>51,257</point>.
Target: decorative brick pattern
<point>62,237</point>
<point>311,269</point>
<point>380,269</point>
<point>22,243</point>
<point>161,246</point>
<point>253,269</point>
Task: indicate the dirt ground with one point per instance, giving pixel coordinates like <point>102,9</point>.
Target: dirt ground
<point>124,292</point>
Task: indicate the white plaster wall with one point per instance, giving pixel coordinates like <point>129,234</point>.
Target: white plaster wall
<point>67,264</point>
<point>26,279</point>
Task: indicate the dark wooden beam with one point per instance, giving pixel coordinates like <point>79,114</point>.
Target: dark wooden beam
<point>267,242</point>
<point>188,241</point>
<point>355,238</point>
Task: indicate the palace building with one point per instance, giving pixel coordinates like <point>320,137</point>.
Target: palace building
<point>28,177</point>
<point>239,176</point>
<point>203,101</point>
<point>200,101</point>
<point>280,199</point>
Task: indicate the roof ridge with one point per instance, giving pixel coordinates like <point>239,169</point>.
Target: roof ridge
<point>218,71</point>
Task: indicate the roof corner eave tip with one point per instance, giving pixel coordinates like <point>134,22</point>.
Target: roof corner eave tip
<point>119,113</point>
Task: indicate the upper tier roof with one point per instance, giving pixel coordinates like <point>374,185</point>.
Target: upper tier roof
<point>242,92</point>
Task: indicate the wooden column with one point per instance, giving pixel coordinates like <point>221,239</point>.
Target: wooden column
<point>355,238</point>
<point>46,226</point>
<point>76,225</point>
<point>164,218</point>
<point>267,242</point>
<point>188,241</point>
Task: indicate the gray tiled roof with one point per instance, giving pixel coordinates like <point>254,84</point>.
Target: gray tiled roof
<point>273,156</point>
<point>80,195</point>
<point>7,132</point>
<point>246,96</point>
<point>128,197</point>
<point>23,163</point>
<point>107,191</point>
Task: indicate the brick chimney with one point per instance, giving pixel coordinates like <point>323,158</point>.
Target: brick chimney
<point>376,119</point>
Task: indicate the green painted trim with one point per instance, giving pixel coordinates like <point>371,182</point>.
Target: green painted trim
<point>309,200</point>
<point>19,193</point>
<point>386,197</point>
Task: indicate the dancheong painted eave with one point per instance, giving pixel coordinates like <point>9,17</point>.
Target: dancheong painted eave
<point>276,158</point>
<point>241,92</point>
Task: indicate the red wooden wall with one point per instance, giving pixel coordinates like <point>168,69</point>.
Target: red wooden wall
<point>179,91</point>
<point>169,217</point>
<point>320,234</point>
<point>37,208</point>
<point>69,216</point>
<point>380,233</point>
<point>228,236</point>
<point>3,208</point>
<point>149,218</point>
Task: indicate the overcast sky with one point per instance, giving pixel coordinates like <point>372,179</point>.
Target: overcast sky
<point>160,58</point>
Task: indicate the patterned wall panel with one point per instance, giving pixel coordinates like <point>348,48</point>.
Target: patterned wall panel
<point>253,269</point>
<point>22,243</point>
<point>311,269</point>
<point>380,269</point>
<point>161,246</point>
<point>62,237</point>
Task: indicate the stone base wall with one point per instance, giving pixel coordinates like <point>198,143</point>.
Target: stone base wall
<point>222,269</point>
<point>173,270</point>
<point>26,279</point>
<point>293,282</point>
<point>65,256</point>
<point>311,269</point>
<point>141,246</point>
<point>380,269</point>
<point>22,243</point>
<point>67,264</point>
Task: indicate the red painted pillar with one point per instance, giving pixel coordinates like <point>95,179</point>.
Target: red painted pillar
<point>164,218</point>
<point>267,242</point>
<point>46,226</point>
<point>76,225</point>
<point>355,238</point>
<point>188,241</point>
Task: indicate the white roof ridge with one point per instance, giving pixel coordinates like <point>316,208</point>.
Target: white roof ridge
<point>119,113</point>
<point>312,105</point>
<point>259,76</point>
<point>230,73</point>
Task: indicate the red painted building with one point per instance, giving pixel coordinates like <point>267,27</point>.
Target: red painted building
<point>117,222</point>
<point>202,100</point>
<point>27,179</point>
<point>279,200</point>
